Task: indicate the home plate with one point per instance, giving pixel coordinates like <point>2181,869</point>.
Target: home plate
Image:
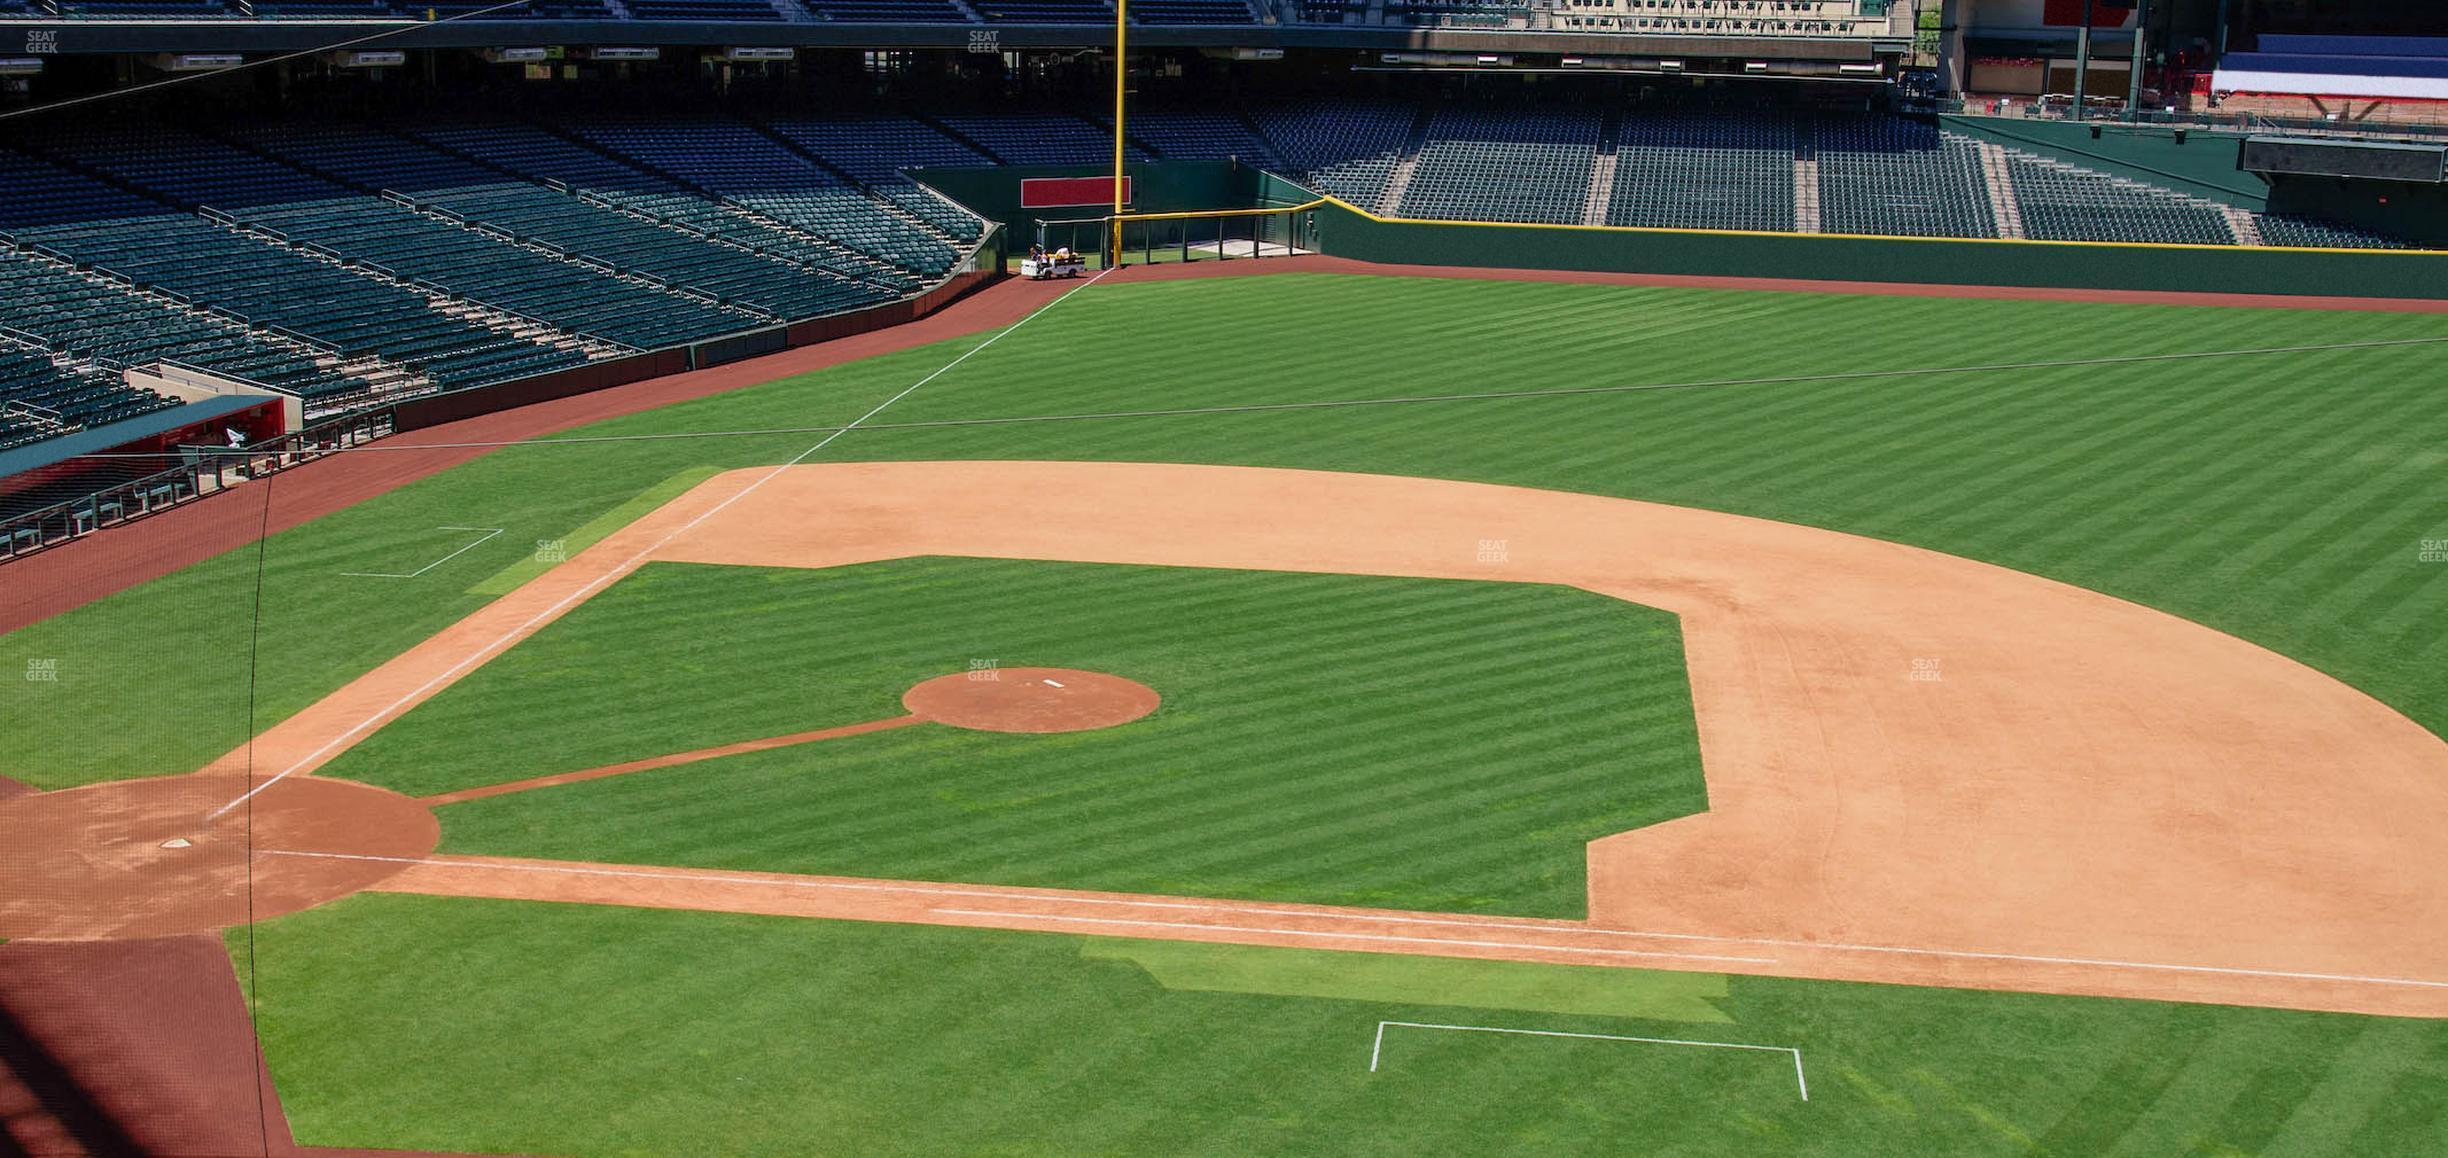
<point>178,842</point>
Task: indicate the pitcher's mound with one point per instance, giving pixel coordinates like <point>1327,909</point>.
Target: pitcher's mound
<point>1031,699</point>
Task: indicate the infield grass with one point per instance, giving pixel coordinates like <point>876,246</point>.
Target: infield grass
<point>1337,739</point>
<point>497,1026</point>
<point>2283,497</point>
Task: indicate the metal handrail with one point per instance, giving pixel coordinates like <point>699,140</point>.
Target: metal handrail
<point>122,502</point>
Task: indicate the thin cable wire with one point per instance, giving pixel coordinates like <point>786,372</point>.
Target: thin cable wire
<point>166,82</point>
<point>1345,403</point>
<point>629,564</point>
<point>263,539</point>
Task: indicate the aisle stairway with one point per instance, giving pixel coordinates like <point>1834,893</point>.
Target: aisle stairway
<point>2002,202</point>
<point>1602,184</point>
<point>1406,165</point>
<point>1806,195</point>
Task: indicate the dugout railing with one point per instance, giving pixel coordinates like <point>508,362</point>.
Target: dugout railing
<point>200,471</point>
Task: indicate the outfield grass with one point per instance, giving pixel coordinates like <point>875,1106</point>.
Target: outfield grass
<point>494,1026</point>
<point>1337,739</point>
<point>2281,497</point>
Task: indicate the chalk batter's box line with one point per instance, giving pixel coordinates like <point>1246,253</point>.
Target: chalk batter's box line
<point>1377,1051</point>
<point>489,533</point>
<point>587,590</point>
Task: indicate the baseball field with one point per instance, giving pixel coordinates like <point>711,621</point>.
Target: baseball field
<point>1327,713</point>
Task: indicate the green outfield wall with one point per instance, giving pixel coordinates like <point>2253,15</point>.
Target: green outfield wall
<point>1156,187</point>
<point>2202,163</point>
<point>2205,164</point>
<point>1346,232</point>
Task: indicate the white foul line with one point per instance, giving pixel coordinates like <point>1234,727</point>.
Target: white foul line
<point>1333,936</point>
<point>1385,918</point>
<point>485,652</point>
<point>488,535</point>
<point>1764,942</point>
<point>1378,1050</point>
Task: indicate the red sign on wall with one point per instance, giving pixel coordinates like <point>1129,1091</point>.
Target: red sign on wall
<point>1055,192</point>
<point>2069,14</point>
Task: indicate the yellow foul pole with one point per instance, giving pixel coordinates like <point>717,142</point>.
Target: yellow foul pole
<point>1121,78</point>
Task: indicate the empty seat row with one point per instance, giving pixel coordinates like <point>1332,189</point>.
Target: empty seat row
<point>886,11</point>
<point>875,150</point>
<point>366,157</point>
<point>1042,138</point>
<point>506,276</point>
<point>1043,11</point>
<point>733,160</point>
<point>1704,170</point>
<point>1192,12</point>
<point>629,243</point>
<point>41,399</point>
<point>2296,230</point>
<point>94,318</point>
<point>183,168</point>
<point>1185,134</point>
<point>1527,165</point>
<point>351,262</point>
<point>35,192</point>
<point>268,284</point>
<point>533,152</point>
<point>1347,148</point>
<point>1895,177</point>
<point>2062,202</point>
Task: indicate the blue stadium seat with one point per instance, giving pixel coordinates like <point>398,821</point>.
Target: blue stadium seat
<point>1347,147</point>
<point>1039,138</point>
<point>1529,165</point>
<point>40,398</point>
<point>637,247</point>
<point>181,168</point>
<point>1177,12</point>
<point>1704,170</point>
<point>2063,202</point>
<point>533,152</point>
<point>34,192</point>
<point>738,163</point>
<point>501,274</point>
<point>1044,11</point>
<point>270,285</point>
<point>93,317</point>
<point>874,150</point>
<point>2295,230</point>
<point>749,11</point>
<point>886,11</point>
<point>1896,177</point>
<point>1196,135</point>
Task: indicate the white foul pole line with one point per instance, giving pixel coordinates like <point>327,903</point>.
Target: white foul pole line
<point>629,564</point>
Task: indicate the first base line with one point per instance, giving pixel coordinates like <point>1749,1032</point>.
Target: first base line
<point>489,532</point>
<point>1377,1051</point>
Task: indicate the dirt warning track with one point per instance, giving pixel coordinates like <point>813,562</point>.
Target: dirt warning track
<point>1920,768</point>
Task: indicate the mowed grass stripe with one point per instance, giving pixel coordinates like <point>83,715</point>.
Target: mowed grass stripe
<point>453,1024</point>
<point>2226,491</point>
<point>1306,716</point>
